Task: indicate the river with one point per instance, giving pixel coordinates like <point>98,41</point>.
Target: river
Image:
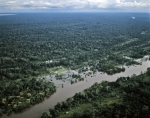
<point>69,90</point>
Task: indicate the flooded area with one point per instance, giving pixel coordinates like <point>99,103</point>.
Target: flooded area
<point>69,90</point>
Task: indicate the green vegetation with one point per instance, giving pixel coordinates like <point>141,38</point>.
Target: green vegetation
<point>32,46</point>
<point>35,45</point>
<point>16,96</point>
<point>57,70</point>
<point>126,97</point>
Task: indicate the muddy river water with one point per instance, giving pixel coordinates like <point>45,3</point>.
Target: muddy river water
<point>69,90</point>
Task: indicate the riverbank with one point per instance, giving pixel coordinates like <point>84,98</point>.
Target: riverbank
<point>69,90</point>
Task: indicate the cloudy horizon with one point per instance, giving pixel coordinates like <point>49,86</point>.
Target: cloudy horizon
<point>77,5</point>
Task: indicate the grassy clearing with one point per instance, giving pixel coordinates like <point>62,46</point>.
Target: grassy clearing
<point>129,41</point>
<point>57,70</point>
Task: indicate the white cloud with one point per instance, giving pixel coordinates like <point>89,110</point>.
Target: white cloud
<point>131,4</point>
<point>73,4</point>
<point>98,3</point>
<point>59,4</point>
<point>10,2</point>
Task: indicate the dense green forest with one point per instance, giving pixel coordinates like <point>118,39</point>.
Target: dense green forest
<point>127,97</point>
<point>16,96</point>
<point>33,44</point>
<point>27,41</point>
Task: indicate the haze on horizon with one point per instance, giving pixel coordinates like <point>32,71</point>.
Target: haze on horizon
<point>74,5</point>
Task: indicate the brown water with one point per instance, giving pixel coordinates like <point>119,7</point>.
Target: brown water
<point>69,90</point>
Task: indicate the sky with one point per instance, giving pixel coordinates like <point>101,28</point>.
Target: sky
<point>74,5</point>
